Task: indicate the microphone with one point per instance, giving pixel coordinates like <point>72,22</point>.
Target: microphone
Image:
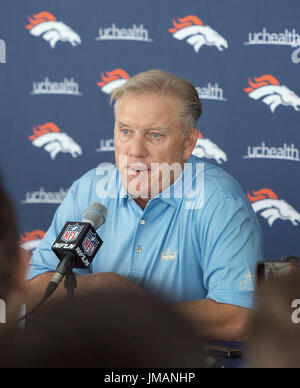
<point>77,244</point>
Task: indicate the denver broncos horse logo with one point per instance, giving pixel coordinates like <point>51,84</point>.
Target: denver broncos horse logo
<point>273,94</point>
<point>197,34</point>
<point>112,80</point>
<point>205,148</point>
<point>46,25</point>
<point>31,240</point>
<point>53,141</point>
<point>272,208</point>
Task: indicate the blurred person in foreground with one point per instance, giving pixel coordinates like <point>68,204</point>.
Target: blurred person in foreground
<point>13,261</point>
<point>274,328</point>
<point>176,226</point>
<point>104,330</point>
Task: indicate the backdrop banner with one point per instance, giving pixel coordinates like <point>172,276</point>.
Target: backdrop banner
<point>61,59</point>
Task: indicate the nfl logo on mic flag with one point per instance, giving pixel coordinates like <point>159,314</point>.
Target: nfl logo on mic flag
<point>90,243</point>
<point>71,233</point>
<point>79,239</point>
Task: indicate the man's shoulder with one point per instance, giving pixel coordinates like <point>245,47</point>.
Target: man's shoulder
<point>218,183</point>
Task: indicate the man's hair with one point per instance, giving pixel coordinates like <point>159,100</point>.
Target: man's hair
<point>157,81</point>
<point>8,243</point>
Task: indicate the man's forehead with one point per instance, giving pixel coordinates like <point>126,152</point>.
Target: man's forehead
<point>150,108</point>
<point>148,100</point>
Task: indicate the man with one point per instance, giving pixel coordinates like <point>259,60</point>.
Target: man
<point>13,264</point>
<point>196,248</point>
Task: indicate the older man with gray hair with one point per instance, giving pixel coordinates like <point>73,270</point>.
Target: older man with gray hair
<point>177,227</point>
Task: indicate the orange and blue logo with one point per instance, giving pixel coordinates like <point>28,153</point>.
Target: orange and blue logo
<point>267,203</point>
<point>268,89</point>
<point>112,80</point>
<point>31,240</point>
<point>193,30</point>
<point>46,25</point>
<point>50,137</point>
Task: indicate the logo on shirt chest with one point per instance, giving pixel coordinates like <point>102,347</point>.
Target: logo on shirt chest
<point>247,283</point>
<point>168,255</point>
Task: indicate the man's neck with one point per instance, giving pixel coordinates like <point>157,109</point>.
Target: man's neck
<point>142,202</point>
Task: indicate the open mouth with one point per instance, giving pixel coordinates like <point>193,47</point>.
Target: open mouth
<point>138,169</point>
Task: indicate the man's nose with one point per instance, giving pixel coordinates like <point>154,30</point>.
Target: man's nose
<point>137,148</point>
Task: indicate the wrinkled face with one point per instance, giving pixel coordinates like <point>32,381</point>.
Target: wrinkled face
<point>149,147</point>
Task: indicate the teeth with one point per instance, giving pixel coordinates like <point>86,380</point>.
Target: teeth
<point>138,169</point>
<point>134,170</point>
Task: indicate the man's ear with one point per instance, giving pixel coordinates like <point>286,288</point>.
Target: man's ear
<point>190,142</point>
<point>19,284</point>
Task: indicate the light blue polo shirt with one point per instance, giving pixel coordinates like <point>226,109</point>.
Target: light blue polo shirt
<point>182,247</point>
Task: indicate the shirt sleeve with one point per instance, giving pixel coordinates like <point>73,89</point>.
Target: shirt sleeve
<point>43,259</point>
<point>232,243</point>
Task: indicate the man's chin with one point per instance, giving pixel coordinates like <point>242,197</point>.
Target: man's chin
<point>141,186</point>
<point>138,196</point>
<point>139,193</point>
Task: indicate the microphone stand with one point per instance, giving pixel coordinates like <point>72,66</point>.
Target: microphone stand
<point>70,282</point>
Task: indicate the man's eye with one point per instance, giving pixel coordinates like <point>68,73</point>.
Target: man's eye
<point>125,131</point>
<point>156,135</point>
